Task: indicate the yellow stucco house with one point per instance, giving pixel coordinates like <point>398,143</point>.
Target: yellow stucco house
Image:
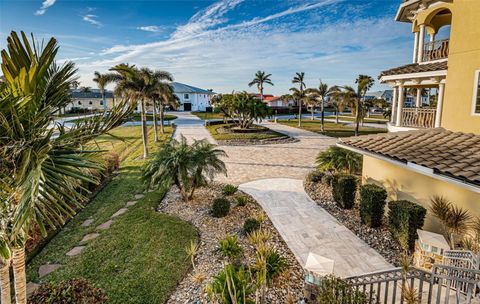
<point>432,150</point>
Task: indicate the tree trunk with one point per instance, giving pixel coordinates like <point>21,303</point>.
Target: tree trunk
<point>104,101</point>
<point>113,100</point>
<point>300,113</point>
<point>357,117</point>
<point>313,109</point>
<point>20,278</point>
<point>155,124</point>
<point>5,282</point>
<point>162,123</point>
<point>336,116</point>
<point>322,125</point>
<point>144,130</point>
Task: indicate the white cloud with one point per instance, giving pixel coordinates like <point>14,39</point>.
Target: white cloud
<point>45,5</point>
<point>92,19</point>
<point>149,28</point>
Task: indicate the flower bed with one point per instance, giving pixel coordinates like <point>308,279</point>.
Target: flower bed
<point>377,238</point>
<point>228,134</point>
<point>209,261</point>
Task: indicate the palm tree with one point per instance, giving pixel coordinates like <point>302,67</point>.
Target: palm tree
<point>346,96</point>
<point>102,81</point>
<point>47,171</point>
<point>320,94</point>
<point>300,79</point>
<point>336,101</point>
<point>85,89</point>
<point>364,83</point>
<point>186,166</point>
<point>166,97</point>
<point>261,78</point>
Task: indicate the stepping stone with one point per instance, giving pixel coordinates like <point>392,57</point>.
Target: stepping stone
<point>76,250</point>
<point>46,269</point>
<point>87,223</point>
<point>139,196</point>
<point>105,225</point>
<point>131,203</point>
<point>31,287</point>
<point>119,212</point>
<point>89,237</point>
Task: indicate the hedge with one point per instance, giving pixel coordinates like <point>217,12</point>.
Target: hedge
<point>344,188</point>
<point>404,218</point>
<point>372,205</point>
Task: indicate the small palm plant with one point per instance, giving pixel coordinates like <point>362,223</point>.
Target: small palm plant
<point>339,160</point>
<point>455,220</point>
<point>186,166</point>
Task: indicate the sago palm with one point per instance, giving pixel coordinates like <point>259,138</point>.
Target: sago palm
<point>259,80</point>
<point>47,165</point>
<point>299,79</point>
<point>339,160</point>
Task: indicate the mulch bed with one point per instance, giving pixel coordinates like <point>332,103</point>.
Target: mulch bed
<point>209,261</point>
<point>377,238</point>
<point>247,142</point>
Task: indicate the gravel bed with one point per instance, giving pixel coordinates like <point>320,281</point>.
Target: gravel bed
<point>209,262</point>
<point>377,238</point>
<point>248,142</point>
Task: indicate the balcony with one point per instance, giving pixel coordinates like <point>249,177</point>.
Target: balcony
<point>435,50</point>
<point>418,117</point>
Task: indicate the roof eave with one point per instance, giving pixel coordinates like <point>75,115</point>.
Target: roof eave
<point>400,16</point>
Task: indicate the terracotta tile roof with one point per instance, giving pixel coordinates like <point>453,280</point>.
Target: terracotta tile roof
<point>416,68</point>
<point>454,154</point>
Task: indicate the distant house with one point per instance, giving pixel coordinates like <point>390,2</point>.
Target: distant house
<point>278,102</point>
<point>192,98</point>
<point>91,100</point>
<point>387,95</point>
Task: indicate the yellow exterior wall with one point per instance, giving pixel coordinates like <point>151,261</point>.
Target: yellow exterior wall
<point>405,184</point>
<point>463,61</point>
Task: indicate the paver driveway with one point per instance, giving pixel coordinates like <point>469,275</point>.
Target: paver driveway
<point>273,175</point>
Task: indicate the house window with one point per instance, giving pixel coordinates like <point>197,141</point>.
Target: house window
<point>101,102</point>
<point>79,102</point>
<point>90,102</point>
<point>476,94</point>
<point>186,96</point>
<point>434,249</point>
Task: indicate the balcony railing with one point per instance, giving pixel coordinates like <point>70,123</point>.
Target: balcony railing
<point>435,50</point>
<point>418,117</point>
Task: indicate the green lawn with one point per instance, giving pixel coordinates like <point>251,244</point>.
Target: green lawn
<point>141,258</point>
<point>213,129</point>
<point>331,129</point>
<point>379,120</point>
<point>207,116</point>
<point>136,117</point>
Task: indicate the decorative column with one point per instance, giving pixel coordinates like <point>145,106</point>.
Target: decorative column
<point>418,101</point>
<point>401,101</point>
<point>421,42</point>
<point>438,115</point>
<point>394,105</point>
<point>415,47</point>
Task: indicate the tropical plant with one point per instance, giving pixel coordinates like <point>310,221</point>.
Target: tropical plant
<point>299,79</point>
<point>320,95</point>
<point>273,262</point>
<point>192,251</point>
<point>364,83</point>
<point>337,101</point>
<point>455,220</point>
<point>186,166</point>
<point>220,207</point>
<point>339,160</point>
<point>229,247</point>
<point>44,171</point>
<point>251,225</point>
<point>165,97</point>
<point>259,237</point>
<point>259,80</point>
<point>229,189</point>
<point>102,80</point>
<point>70,291</point>
<point>242,108</point>
<point>232,286</point>
<point>336,291</point>
<point>242,200</point>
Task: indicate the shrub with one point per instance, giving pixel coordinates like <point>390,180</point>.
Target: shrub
<point>315,176</point>
<point>229,189</point>
<point>327,179</point>
<point>276,264</point>
<point>372,204</point>
<point>242,200</point>
<point>229,247</point>
<point>233,278</point>
<point>68,292</point>
<point>251,225</point>
<point>335,291</point>
<point>404,218</point>
<point>339,160</point>
<point>344,188</point>
<point>112,161</point>
<point>220,207</point>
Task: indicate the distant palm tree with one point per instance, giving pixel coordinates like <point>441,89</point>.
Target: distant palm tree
<point>166,97</point>
<point>75,84</point>
<point>337,101</point>
<point>102,81</point>
<point>85,89</point>
<point>321,94</point>
<point>300,79</point>
<point>364,83</point>
<point>260,79</point>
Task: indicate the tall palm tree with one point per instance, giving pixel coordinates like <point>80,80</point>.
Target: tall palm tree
<point>336,101</point>
<point>364,83</point>
<point>46,171</point>
<point>102,81</point>
<point>320,95</point>
<point>299,79</point>
<point>260,79</point>
<point>165,97</point>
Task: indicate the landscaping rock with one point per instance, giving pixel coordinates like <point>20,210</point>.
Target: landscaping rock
<point>46,269</point>
<point>31,287</point>
<point>139,196</point>
<point>119,212</point>
<point>105,225</point>
<point>89,237</point>
<point>76,250</point>
<point>87,222</point>
<point>131,203</point>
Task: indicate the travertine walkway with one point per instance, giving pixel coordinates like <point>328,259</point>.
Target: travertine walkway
<point>306,227</point>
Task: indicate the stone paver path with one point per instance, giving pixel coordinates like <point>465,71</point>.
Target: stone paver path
<point>46,269</point>
<point>105,225</point>
<point>89,237</point>
<point>87,222</point>
<point>76,250</point>
<point>139,196</point>
<point>306,227</point>
<point>191,127</point>
<point>119,212</point>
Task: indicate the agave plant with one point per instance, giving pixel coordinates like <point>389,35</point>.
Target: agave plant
<point>47,164</point>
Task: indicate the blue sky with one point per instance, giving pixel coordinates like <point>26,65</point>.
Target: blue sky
<point>221,44</point>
